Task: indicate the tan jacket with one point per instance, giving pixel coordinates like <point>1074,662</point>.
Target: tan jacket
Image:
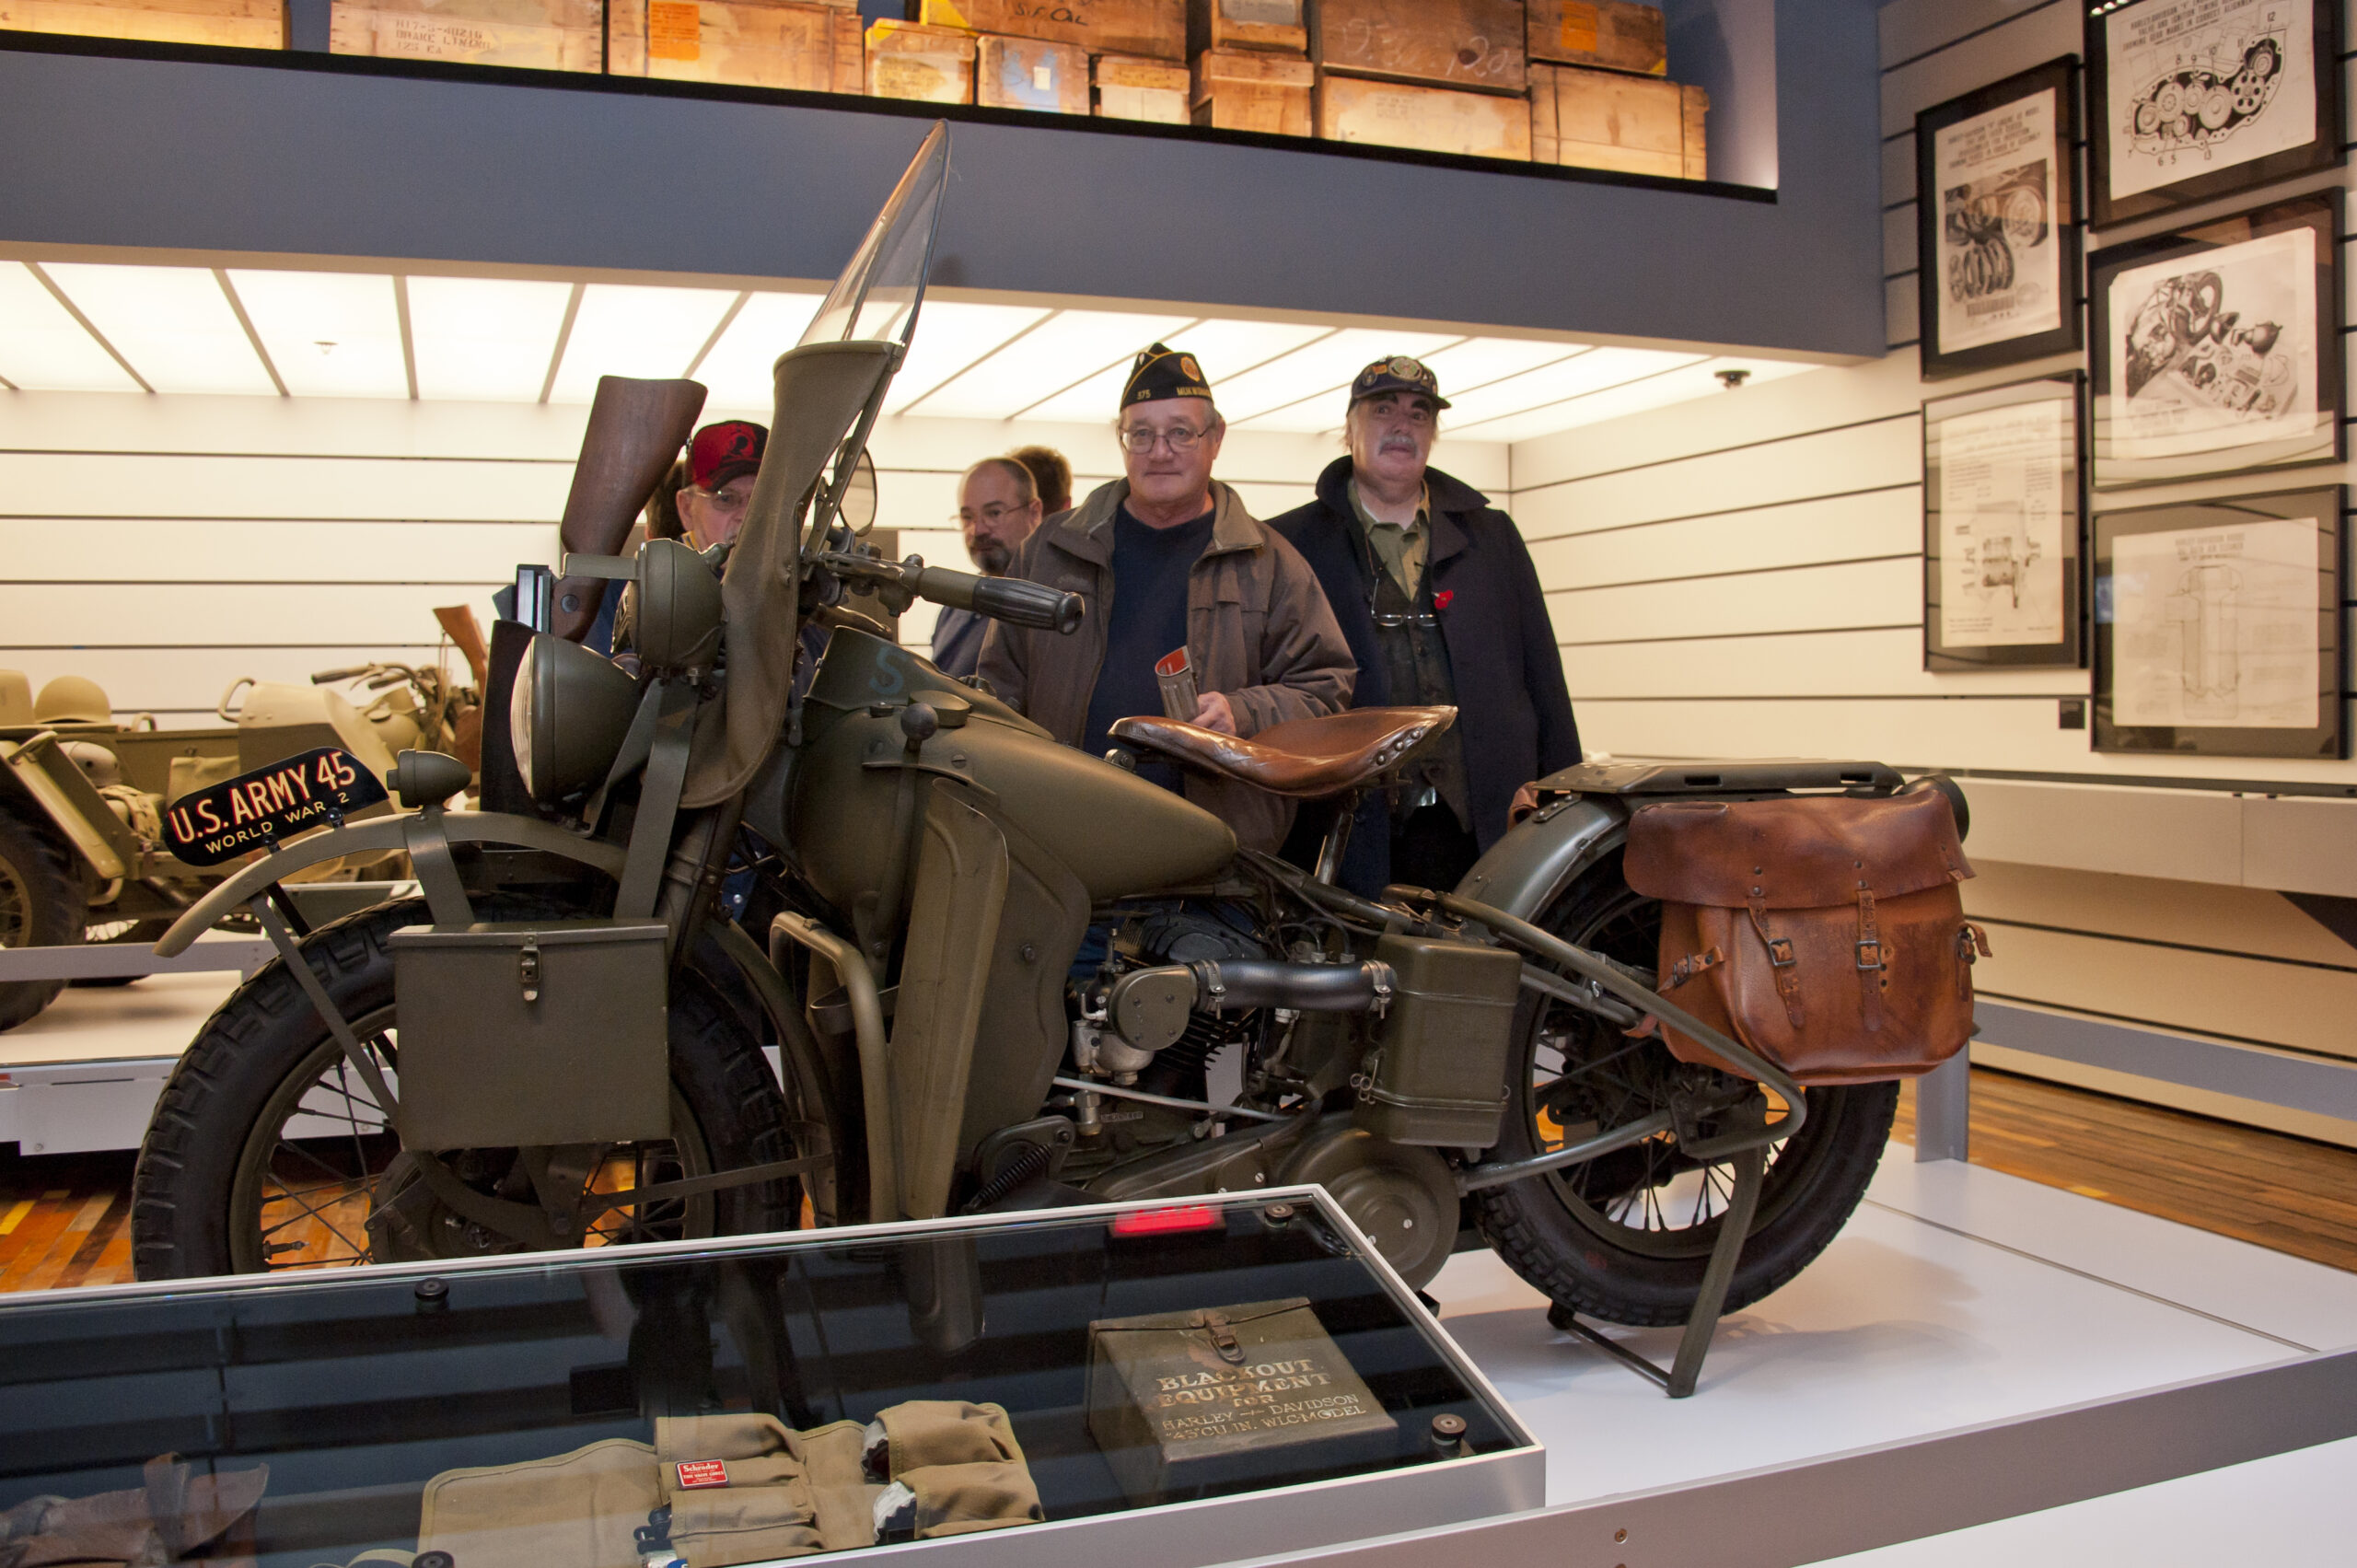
<point>1258,630</point>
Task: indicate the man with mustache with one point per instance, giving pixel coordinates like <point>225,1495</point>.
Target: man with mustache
<point>1437,597</point>
<point>998,505</point>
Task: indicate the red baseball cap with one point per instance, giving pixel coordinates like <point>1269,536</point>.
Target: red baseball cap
<point>725,451</point>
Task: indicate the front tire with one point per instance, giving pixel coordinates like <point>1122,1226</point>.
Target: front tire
<point>42,905</point>
<point>1626,1238</point>
<point>267,1152</point>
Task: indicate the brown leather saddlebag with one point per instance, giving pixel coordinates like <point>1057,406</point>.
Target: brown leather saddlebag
<point>1825,933</point>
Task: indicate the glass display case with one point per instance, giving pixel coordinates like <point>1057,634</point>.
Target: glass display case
<point>1036,1387</point>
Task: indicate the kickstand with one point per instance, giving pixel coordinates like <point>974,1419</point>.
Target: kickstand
<point>1750,1171</point>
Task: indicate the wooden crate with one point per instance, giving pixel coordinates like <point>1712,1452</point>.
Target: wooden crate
<point>1131,89</point>
<point>548,35</point>
<point>1456,43</point>
<point>1032,72</point>
<point>1609,120</point>
<point>1244,89</point>
<point>912,60</point>
<point>235,24</point>
<point>1437,120</point>
<point>752,43</point>
<point>1276,25</point>
<point>1612,34</point>
<point>1156,28</point>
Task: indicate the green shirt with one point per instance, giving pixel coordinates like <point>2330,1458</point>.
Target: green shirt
<point>1402,547</point>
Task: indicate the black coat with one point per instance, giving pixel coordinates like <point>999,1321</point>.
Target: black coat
<point>1513,711</point>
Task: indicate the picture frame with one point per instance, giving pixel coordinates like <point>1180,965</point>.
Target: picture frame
<point>2189,101</point>
<point>2218,627</point>
<point>2216,349</point>
<point>2004,518</point>
<point>1997,230</point>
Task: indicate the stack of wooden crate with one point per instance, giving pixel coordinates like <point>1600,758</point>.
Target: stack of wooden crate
<point>808,45</point>
<point>1600,96</point>
<point>237,24</point>
<point>1071,57</point>
<point>1439,76</point>
<point>1251,69</point>
<point>546,35</point>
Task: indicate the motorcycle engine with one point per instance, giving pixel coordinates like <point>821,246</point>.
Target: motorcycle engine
<point>1170,935</point>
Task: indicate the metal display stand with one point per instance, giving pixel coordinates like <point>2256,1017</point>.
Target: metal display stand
<point>1734,1227</point>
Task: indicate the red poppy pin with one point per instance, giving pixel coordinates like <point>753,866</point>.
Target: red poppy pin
<point>1440,599</point>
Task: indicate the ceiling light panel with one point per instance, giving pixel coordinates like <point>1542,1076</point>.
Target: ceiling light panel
<point>1591,372</point>
<point>950,338</point>
<point>331,334</point>
<point>1223,347</point>
<point>738,367</point>
<point>1070,347</point>
<point>633,330</point>
<point>1477,362</point>
<point>173,324</point>
<point>484,340</point>
<point>1313,371</point>
<point>1687,383</point>
<point>42,348</point>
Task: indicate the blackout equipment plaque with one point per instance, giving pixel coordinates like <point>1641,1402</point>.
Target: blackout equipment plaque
<point>1182,1399</point>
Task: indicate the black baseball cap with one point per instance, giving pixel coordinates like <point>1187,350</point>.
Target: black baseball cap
<point>1397,374</point>
<point>1161,372</point>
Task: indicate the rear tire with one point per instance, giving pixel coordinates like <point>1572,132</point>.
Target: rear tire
<point>227,1183</point>
<point>42,905</point>
<point>1625,1239</point>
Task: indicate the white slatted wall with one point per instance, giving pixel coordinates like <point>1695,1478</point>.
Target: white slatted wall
<point>166,546</point>
<point>1742,577</point>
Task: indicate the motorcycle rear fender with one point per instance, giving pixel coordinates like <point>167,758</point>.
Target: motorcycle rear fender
<point>384,836</point>
<point>1527,869</point>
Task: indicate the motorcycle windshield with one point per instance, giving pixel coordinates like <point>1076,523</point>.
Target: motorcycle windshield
<point>877,297</point>
<point>828,388</point>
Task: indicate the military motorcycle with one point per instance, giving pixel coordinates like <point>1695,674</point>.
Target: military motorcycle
<point>991,972</point>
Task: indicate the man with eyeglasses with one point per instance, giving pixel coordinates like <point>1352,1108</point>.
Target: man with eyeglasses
<point>722,461</point>
<point>1168,558</point>
<point>1437,596</point>
<point>998,505</point>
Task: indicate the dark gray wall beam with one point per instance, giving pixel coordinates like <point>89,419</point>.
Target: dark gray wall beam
<point>314,154</point>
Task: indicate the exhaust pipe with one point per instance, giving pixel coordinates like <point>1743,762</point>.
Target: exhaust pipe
<point>1148,1008</point>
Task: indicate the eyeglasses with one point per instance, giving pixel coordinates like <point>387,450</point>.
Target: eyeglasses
<point>989,516</point>
<point>1139,439</point>
<point>725,500</point>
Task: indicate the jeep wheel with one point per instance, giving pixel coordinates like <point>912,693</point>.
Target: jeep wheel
<point>41,906</point>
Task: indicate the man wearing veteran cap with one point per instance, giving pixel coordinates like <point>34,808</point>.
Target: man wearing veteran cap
<point>722,461</point>
<point>1441,604</point>
<point>1168,558</point>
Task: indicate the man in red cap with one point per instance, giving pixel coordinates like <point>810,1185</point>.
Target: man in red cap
<point>722,461</point>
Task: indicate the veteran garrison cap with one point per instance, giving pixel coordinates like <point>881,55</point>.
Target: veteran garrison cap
<point>1161,372</point>
<point>1397,374</point>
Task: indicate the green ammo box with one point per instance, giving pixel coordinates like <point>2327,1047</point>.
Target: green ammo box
<point>1438,1071</point>
<point>532,1032</point>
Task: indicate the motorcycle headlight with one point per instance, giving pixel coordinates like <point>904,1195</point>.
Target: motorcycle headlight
<point>678,607</point>
<point>567,718</point>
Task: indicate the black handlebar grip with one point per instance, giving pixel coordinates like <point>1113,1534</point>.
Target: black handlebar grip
<point>1029,604</point>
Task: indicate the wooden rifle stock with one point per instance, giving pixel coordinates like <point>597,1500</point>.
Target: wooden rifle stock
<point>636,429</point>
<point>458,624</point>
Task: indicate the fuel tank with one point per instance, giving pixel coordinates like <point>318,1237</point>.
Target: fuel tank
<point>834,799</point>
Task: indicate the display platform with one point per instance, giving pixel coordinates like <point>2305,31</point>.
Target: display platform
<point>85,1072</point>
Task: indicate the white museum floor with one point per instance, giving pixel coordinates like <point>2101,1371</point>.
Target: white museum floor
<point>1954,1297</point>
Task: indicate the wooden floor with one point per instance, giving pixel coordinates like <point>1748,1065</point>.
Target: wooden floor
<point>2287,1194</point>
<point>64,1219</point>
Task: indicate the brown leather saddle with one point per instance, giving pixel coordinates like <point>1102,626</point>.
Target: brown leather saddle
<point>1301,758</point>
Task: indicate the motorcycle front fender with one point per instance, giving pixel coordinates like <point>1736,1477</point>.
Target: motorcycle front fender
<point>384,836</point>
<point>1546,853</point>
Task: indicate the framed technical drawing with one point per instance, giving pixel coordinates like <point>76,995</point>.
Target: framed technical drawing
<point>2217,348</point>
<point>2193,100</point>
<point>2002,522</point>
<point>1996,221</point>
<point>2217,627</point>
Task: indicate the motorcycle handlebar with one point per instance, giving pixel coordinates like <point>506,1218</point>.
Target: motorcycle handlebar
<point>1001,598</point>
